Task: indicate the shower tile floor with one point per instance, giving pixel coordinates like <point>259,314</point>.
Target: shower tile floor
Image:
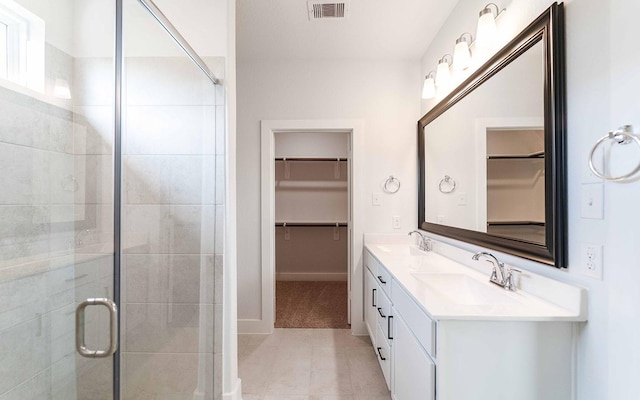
<point>309,364</point>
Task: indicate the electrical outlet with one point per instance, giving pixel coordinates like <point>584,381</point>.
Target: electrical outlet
<point>396,222</point>
<point>592,265</point>
<point>440,219</point>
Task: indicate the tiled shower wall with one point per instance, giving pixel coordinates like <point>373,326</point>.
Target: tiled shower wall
<point>51,249</point>
<point>173,212</point>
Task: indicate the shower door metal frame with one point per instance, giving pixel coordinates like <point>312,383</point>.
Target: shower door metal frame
<point>118,59</point>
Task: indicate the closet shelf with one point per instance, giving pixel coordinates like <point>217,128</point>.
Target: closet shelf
<point>537,154</point>
<point>334,159</point>
<point>514,223</point>
<point>310,224</point>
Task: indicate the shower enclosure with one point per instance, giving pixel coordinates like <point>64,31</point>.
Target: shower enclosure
<point>111,204</point>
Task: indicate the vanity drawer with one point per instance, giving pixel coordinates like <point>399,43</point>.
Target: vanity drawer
<point>383,312</point>
<point>383,277</point>
<point>423,327</point>
<point>383,352</point>
<point>371,263</point>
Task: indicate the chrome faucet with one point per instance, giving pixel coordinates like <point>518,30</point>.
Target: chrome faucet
<point>499,275</point>
<point>424,243</point>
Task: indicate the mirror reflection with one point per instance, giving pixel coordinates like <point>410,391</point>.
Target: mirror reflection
<point>485,156</point>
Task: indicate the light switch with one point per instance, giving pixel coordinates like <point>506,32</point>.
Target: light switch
<point>375,198</point>
<point>592,200</point>
<point>462,199</point>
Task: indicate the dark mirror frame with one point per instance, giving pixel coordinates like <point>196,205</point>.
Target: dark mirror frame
<point>548,28</point>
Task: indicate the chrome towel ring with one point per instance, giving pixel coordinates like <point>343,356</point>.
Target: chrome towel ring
<point>451,184</point>
<point>623,135</point>
<point>392,185</point>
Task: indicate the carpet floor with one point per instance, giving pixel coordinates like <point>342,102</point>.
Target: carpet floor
<point>311,305</point>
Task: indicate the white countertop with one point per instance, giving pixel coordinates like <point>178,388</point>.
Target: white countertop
<point>448,290</point>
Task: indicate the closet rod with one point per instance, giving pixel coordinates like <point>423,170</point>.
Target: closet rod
<point>310,159</point>
<point>310,224</point>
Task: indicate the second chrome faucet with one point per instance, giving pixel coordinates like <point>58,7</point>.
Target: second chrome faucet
<point>424,243</point>
<point>500,275</point>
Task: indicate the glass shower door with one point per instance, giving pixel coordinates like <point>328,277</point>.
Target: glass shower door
<point>64,255</point>
<point>56,198</point>
<point>170,211</point>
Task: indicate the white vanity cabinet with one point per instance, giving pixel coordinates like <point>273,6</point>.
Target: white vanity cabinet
<point>414,371</point>
<point>464,352</point>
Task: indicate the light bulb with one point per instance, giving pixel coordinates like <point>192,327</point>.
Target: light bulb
<point>487,30</point>
<point>461,54</point>
<point>429,87</point>
<point>443,75</point>
<point>61,89</point>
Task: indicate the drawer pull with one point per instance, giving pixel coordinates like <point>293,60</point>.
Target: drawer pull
<point>380,312</point>
<point>373,297</point>
<point>382,280</point>
<point>389,327</point>
<point>380,354</point>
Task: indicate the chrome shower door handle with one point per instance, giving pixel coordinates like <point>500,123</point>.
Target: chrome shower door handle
<point>113,328</point>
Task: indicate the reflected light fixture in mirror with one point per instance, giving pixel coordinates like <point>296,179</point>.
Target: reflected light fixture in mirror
<point>461,53</point>
<point>61,89</point>
<point>487,30</point>
<point>443,74</point>
<point>429,86</point>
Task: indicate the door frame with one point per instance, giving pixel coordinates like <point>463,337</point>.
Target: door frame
<point>268,128</point>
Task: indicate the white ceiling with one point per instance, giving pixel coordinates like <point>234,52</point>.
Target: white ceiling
<point>374,29</point>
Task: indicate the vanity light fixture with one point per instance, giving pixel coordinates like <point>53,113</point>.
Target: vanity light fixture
<point>429,86</point>
<point>461,53</point>
<point>487,30</point>
<point>443,74</point>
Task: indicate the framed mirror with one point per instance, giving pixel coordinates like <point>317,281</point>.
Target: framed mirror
<point>492,153</point>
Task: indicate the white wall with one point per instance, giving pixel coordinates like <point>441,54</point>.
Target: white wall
<point>602,86</point>
<point>203,23</point>
<point>382,94</point>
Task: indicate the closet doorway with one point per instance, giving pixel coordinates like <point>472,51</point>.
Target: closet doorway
<point>312,229</point>
<point>311,233</point>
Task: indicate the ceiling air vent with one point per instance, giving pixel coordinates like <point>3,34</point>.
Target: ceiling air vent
<point>328,9</point>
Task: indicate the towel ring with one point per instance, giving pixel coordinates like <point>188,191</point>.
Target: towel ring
<point>448,180</point>
<point>392,185</point>
<point>624,135</point>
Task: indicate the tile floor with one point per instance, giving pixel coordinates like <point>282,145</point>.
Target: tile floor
<point>309,364</point>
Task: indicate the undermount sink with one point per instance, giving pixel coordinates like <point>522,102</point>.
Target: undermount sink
<point>401,250</point>
<point>461,289</point>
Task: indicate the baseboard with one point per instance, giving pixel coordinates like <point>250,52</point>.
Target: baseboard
<point>312,276</point>
<point>359,328</point>
<point>254,326</point>
<point>236,393</point>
